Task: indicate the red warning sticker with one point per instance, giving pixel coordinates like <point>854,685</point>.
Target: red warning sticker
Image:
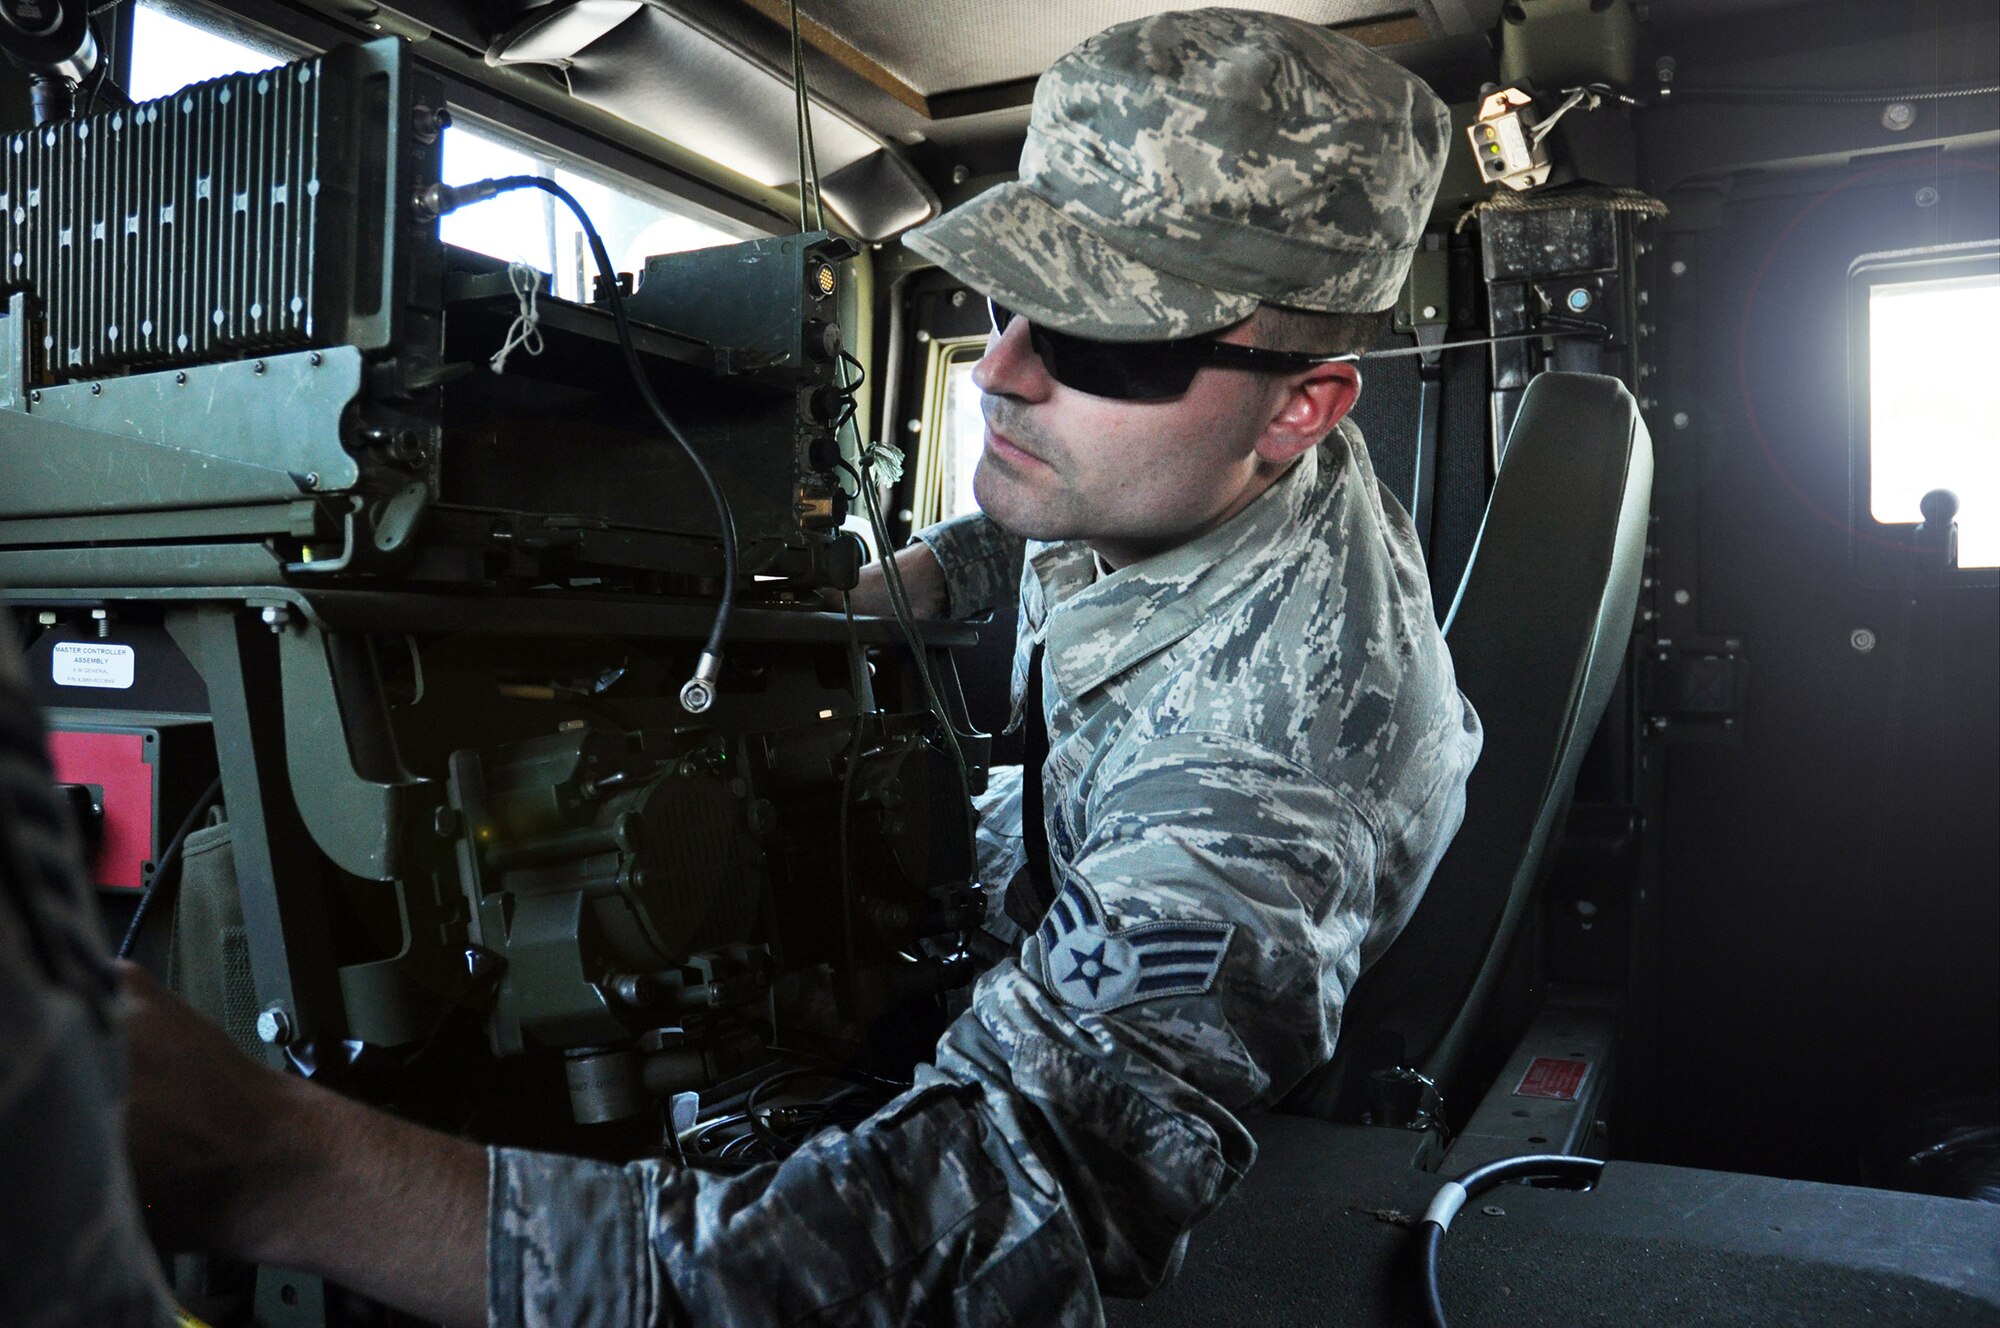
<point>1551,1078</point>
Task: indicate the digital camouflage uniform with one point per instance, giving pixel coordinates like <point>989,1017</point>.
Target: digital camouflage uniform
<point>1257,755</point>
<point>72,1254</point>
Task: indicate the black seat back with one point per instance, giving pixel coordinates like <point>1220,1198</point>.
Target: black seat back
<point>1538,636</point>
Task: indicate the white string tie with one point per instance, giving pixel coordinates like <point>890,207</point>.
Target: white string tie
<point>525,333</point>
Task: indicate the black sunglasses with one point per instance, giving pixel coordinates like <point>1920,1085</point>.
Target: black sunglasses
<point>1147,370</point>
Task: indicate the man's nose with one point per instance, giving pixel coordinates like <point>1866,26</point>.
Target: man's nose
<point>1010,367</point>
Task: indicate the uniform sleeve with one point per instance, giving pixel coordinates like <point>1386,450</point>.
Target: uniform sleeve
<point>1080,1117</point>
<point>981,562</point>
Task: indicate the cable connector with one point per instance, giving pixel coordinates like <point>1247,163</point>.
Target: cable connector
<point>698,692</point>
<point>441,199</point>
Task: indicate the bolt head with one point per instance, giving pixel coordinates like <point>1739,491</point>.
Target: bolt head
<point>274,1026</point>
<point>1862,639</point>
<point>1898,116</point>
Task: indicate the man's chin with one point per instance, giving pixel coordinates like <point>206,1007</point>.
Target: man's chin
<point>1012,506</point>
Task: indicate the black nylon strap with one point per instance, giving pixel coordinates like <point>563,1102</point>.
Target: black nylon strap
<point>1029,897</point>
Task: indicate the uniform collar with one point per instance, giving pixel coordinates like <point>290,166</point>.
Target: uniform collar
<point>1094,629</point>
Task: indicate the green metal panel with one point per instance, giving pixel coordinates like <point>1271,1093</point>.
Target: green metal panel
<point>210,435</point>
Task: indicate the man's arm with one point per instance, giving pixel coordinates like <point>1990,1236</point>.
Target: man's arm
<point>960,568</point>
<point>234,1157</point>
<point>1080,1118</point>
<point>923,582</point>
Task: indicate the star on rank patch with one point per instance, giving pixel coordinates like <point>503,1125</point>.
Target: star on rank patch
<point>1088,966</point>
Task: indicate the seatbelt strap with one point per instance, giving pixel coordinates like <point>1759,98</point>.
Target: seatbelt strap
<point>1031,893</point>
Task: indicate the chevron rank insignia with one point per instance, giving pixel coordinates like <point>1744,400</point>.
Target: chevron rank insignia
<point>1088,966</point>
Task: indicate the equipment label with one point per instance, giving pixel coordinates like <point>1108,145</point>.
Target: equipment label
<point>1552,1078</point>
<point>84,664</point>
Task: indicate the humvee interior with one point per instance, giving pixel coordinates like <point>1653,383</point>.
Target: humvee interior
<point>431,433</point>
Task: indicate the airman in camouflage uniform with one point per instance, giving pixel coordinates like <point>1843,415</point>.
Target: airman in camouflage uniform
<point>72,1254</point>
<point>1257,754</point>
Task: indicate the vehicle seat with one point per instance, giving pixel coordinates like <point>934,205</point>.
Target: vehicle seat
<point>1538,635</point>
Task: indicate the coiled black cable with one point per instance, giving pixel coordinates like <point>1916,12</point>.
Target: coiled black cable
<point>698,694</point>
<point>1571,1173</point>
<point>166,874</point>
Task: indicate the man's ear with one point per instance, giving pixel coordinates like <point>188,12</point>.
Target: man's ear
<point>1313,402</point>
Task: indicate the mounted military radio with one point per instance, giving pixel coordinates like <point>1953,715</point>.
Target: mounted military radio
<point>432,636</point>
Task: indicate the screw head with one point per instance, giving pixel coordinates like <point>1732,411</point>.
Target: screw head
<point>1680,419</point>
<point>315,359</point>
<point>1862,639</point>
<point>1682,597</point>
<point>1927,197</point>
<point>35,395</point>
<point>1494,1210</point>
<point>257,368</point>
<point>181,378</point>
<point>1678,268</point>
<point>97,389</point>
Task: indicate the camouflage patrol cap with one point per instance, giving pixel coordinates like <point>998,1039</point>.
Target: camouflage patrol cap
<point>1182,169</point>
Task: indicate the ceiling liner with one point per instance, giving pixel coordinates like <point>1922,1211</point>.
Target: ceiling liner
<point>930,44</point>
<point>648,67</point>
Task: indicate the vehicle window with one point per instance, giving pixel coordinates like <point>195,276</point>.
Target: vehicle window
<point>1933,420</point>
<point>953,432</point>
<point>173,48</point>
<point>532,227</point>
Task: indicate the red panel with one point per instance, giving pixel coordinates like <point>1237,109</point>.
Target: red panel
<point>116,762</point>
<point>1553,1078</point>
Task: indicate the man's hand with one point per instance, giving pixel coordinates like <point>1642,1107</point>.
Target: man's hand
<point>233,1157</point>
<point>923,580</point>
<point>206,1124</point>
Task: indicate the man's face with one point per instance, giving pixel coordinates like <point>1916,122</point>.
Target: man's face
<point>1131,478</point>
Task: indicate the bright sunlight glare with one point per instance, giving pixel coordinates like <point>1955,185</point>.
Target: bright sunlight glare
<point>168,55</point>
<point>1934,420</point>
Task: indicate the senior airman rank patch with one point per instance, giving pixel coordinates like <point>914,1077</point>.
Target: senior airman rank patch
<point>1088,966</point>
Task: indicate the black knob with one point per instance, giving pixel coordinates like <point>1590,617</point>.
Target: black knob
<point>1939,507</point>
<point>1937,537</point>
